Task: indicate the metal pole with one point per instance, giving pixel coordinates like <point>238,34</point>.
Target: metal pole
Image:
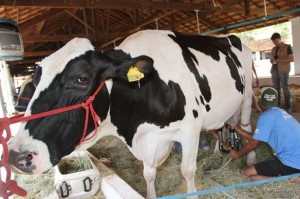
<point>252,21</point>
<point>156,22</point>
<point>197,17</point>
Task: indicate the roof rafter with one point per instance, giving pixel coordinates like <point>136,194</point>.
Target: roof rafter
<point>32,22</point>
<point>125,4</point>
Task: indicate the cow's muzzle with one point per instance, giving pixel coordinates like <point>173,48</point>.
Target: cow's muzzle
<point>21,162</point>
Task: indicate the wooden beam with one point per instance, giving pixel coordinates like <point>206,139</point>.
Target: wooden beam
<point>124,4</point>
<point>54,38</point>
<point>247,7</point>
<point>103,4</point>
<point>38,54</point>
<point>22,62</point>
<point>137,28</point>
<point>34,21</point>
<point>173,23</point>
<point>80,20</point>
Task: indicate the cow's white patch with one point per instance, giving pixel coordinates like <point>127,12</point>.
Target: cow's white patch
<point>24,143</point>
<point>144,147</point>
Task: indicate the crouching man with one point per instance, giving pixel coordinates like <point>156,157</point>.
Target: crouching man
<point>278,129</point>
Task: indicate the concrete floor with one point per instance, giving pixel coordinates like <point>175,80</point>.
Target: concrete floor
<point>266,81</point>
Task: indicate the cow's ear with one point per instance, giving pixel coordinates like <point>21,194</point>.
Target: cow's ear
<point>142,67</point>
<point>130,70</point>
<point>36,77</point>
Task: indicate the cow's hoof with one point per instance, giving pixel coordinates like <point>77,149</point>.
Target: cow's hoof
<point>177,147</point>
<point>251,158</point>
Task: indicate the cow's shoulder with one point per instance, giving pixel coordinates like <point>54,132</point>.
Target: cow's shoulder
<point>209,45</point>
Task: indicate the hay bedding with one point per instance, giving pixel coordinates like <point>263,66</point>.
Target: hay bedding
<point>169,180</point>
<point>41,186</point>
<point>72,165</point>
<point>37,186</point>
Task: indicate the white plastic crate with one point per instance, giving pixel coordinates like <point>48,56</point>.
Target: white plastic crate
<point>77,185</point>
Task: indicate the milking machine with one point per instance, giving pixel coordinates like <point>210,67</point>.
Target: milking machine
<point>231,139</point>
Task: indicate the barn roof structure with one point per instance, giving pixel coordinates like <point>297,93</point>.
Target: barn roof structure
<point>46,25</point>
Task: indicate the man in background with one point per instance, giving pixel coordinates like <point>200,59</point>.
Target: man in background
<point>281,58</point>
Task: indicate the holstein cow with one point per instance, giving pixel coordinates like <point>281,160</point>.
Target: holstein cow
<point>27,89</point>
<point>184,84</point>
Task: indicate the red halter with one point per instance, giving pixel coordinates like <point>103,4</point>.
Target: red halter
<point>9,187</point>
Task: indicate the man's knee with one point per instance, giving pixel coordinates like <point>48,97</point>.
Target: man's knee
<point>250,171</point>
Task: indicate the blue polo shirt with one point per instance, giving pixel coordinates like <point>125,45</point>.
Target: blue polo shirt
<point>282,132</point>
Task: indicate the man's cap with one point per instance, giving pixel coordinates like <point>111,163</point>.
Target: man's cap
<point>268,97</point>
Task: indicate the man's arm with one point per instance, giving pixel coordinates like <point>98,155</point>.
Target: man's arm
<point>290,58</point>
<point>249,146</point>
<point>243,133</point>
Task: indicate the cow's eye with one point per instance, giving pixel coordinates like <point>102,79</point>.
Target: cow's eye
<point>82,80</point>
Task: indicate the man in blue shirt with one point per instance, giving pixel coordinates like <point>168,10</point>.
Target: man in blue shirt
<point>281,131</point>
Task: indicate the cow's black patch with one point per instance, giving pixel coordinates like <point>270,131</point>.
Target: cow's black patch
<point>190,59</point>
<point>210,46</point>
<point>195,113</point>
<point>25,96</point>
<point>197,100</point>
<point>153,102</point>
<point>62,132</point>
<point>235,41</point>
<point>207,107</point>
<point>202,100</point>
<point>27,92</point>
<point>234,73</point>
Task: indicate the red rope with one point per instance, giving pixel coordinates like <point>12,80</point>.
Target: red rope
<point>24,98</point>
<point>89,107</point>
<point>9,187</point>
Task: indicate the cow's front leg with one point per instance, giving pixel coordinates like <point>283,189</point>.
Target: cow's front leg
<point>189,165</point>
<point>149,175</point>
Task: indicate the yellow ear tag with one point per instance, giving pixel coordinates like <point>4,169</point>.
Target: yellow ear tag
<point>134,74</point>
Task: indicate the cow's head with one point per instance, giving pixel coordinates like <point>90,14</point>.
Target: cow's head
<point>68,77</point>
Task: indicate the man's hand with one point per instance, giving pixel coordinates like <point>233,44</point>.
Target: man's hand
<point>234,154</point>
<point>273,60</point>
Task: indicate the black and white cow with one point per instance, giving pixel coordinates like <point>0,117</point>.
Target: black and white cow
<point>188,83</point>
<point>27,89</point>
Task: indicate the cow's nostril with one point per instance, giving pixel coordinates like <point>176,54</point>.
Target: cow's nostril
<point>28,157</point>
<point>24,162</point>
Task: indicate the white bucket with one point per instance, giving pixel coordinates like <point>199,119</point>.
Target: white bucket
<point>77,185</point>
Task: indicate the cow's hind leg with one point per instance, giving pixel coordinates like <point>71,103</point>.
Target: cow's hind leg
<point>189,164</point>
<point>149,175</point>
<point>245,123</point>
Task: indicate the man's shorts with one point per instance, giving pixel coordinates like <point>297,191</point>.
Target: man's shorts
<point>274,168</point>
